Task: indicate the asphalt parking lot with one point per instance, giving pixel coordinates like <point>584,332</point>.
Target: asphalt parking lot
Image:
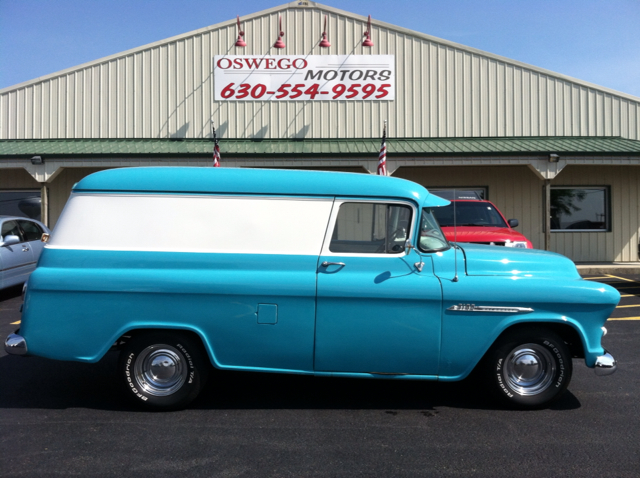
<point>68,419</point>
<point>629,288</point>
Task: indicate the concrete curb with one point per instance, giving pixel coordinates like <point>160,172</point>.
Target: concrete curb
<point>613,268</point>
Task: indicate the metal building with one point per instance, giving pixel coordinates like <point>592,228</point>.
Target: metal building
<point>457,117</point>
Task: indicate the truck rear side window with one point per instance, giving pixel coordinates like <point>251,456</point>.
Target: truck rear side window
<point>371,228</point>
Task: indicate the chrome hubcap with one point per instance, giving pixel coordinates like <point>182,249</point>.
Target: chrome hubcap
<point>529,369</point>
<point>160,370</point>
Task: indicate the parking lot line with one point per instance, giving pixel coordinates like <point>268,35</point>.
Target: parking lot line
<point>622,278</point>
<point>624,306</point>
<point>627,295</point>
<point>624,318</point>
<point>595,278</point>
<point>16,323</point>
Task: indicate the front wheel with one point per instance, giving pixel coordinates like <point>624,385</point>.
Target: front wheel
<point>529,368</point>
<point>163,370</point>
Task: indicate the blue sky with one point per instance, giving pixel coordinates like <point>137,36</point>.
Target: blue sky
<point>593,40</point>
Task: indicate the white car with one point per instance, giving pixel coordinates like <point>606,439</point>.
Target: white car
<point>20,248</point>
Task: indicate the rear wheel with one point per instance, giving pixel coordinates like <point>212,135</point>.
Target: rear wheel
<point>163,370</point>
<point>529,368</point>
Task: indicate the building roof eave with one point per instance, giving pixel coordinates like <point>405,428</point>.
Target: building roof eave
<point>351,147</point>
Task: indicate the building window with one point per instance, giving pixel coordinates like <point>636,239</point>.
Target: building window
<point>22,203</point>
<point>460,193</point>
<point>580,209</point>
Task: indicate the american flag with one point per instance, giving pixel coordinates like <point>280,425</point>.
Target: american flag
<point>216,150</point>
<point>382,158</point>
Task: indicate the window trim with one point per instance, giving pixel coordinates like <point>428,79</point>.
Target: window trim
<point>461,188</point>
<point>334,217</point>
<point>607,209</point>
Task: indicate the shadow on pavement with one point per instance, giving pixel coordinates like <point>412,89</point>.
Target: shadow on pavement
<point>32,382</point>
<point>10,292</point>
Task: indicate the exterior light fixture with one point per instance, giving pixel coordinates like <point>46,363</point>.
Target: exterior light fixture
<point>325,43</point>
<point>240,42</point>
<point>37,160</point>
<point>554,158</point>
<point>367,34</point>
<point>279,43</point>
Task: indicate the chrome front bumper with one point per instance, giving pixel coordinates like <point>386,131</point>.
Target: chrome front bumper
<point>605,364</point>
<point>15,345</point>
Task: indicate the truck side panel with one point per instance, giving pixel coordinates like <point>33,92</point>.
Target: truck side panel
<point>80,302</point>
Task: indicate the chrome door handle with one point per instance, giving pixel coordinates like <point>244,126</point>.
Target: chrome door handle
<point>327,264</point>
<point>26,249</point>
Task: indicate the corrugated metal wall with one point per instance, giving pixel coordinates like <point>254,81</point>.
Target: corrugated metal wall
<point>442,90</point>
<point>17,179</point>
<point>61,189</point>
<point>517,192</point>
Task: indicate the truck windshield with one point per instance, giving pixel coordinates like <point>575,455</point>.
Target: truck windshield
<point>469,213</point>
<point>431,236</point>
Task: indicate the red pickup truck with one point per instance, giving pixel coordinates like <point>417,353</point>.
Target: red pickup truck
<point>477,220</point>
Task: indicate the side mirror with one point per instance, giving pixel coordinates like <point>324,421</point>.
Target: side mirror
<point>513,222</point>
<point>418,265</point>
<point>408,245</point>
<point>11,240</point>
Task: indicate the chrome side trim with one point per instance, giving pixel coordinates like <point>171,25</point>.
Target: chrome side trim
<point>488,308</point>
<point>15,345</point>
<point>24,264</point>
<point>605,364</point>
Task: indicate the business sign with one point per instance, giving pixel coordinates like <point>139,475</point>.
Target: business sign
<point>304,78</point>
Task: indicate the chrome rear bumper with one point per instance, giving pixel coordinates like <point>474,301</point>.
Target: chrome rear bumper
<point>605,364</point>
<point>15,345</point>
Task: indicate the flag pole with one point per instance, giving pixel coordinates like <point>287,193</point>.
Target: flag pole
<point>216,148</point>
<point>382,157</point>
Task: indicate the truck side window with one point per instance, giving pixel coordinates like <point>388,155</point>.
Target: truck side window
<point>371,228</point>
<point>431,236</point>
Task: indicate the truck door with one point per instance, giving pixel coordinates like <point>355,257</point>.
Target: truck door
<point>376,313</point>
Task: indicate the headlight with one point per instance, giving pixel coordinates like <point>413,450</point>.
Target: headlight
<point>520,244</point>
